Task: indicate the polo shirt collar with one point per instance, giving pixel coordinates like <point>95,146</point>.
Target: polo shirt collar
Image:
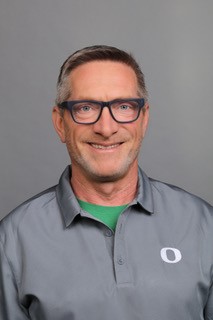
<point>66,198</point>
<point>145,194</point>
<point>70,207</point>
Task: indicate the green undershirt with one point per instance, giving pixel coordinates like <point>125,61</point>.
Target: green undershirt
<point>107,214</point>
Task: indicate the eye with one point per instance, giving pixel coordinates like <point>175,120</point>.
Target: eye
<point>124,107</point>
<point>82,108</point>
<point>85,108</point>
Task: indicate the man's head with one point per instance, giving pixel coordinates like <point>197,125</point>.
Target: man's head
<point>96,53</point>
<point>105,150</point>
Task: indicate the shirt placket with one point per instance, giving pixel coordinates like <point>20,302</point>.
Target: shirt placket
<point>121,263</point>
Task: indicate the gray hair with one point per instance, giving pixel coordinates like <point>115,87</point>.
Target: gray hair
<point>96,53</point>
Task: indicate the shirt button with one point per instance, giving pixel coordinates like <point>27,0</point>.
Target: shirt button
<point>120,260</point>
<point>108,233</point>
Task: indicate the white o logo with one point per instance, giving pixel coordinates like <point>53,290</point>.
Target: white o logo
<point>175,252</point>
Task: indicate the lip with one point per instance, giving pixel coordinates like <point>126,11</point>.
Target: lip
<point>105,147</point>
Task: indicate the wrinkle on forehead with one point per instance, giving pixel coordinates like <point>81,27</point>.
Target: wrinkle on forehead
<point>103,80</point>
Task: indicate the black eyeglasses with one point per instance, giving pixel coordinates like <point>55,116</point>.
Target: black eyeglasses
<point>89,111</point>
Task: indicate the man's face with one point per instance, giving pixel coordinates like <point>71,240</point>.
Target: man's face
<point>106,150</point>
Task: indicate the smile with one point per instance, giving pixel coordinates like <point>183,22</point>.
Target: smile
<point>100,146</point>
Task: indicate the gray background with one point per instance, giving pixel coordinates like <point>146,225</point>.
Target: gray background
<point>172,40</point>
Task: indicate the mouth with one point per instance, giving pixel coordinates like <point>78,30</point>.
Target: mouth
<point>104,147</point>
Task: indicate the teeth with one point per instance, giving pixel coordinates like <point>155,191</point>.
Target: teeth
<point>98,146</point>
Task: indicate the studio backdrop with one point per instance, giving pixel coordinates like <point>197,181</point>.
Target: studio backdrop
<point>172,41</point>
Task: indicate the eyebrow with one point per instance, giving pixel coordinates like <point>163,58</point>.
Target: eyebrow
<point>93,99</point>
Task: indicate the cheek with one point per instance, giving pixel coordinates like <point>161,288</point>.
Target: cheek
<point>69,136</point>
<point>138,132</point>
<point>139,135</point>
<point>73,136</point>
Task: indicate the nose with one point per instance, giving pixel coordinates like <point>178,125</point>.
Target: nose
<point>106,125</point>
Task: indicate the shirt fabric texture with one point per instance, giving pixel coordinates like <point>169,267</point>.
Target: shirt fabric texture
<point>58,262</point>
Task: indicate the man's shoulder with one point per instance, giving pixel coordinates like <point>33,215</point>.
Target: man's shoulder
<point>33,206</point>
<point>176,195</point>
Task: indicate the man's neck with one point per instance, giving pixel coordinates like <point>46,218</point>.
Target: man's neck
<point>114,193</point>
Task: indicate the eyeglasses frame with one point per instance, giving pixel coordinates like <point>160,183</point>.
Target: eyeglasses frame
<point>68,105</point>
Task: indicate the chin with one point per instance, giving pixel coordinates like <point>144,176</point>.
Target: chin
<point>108,175</point>
<point>104,173</point>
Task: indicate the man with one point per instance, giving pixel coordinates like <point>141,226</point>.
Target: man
<point>107,242</point>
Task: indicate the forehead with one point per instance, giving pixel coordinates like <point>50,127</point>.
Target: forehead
<point>114,78</point>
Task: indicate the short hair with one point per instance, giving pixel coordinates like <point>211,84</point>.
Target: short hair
<point>96,53</point>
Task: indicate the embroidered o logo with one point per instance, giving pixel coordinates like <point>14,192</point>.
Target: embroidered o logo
<point>170,255</point>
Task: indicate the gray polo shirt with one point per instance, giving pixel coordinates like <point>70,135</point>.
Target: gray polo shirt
<point>57,262</point>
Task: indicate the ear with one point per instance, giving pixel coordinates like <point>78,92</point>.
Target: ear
<point>145,118</point>
<point>58,122</point>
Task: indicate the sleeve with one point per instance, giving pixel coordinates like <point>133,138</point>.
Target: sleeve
<point>10,308</point>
